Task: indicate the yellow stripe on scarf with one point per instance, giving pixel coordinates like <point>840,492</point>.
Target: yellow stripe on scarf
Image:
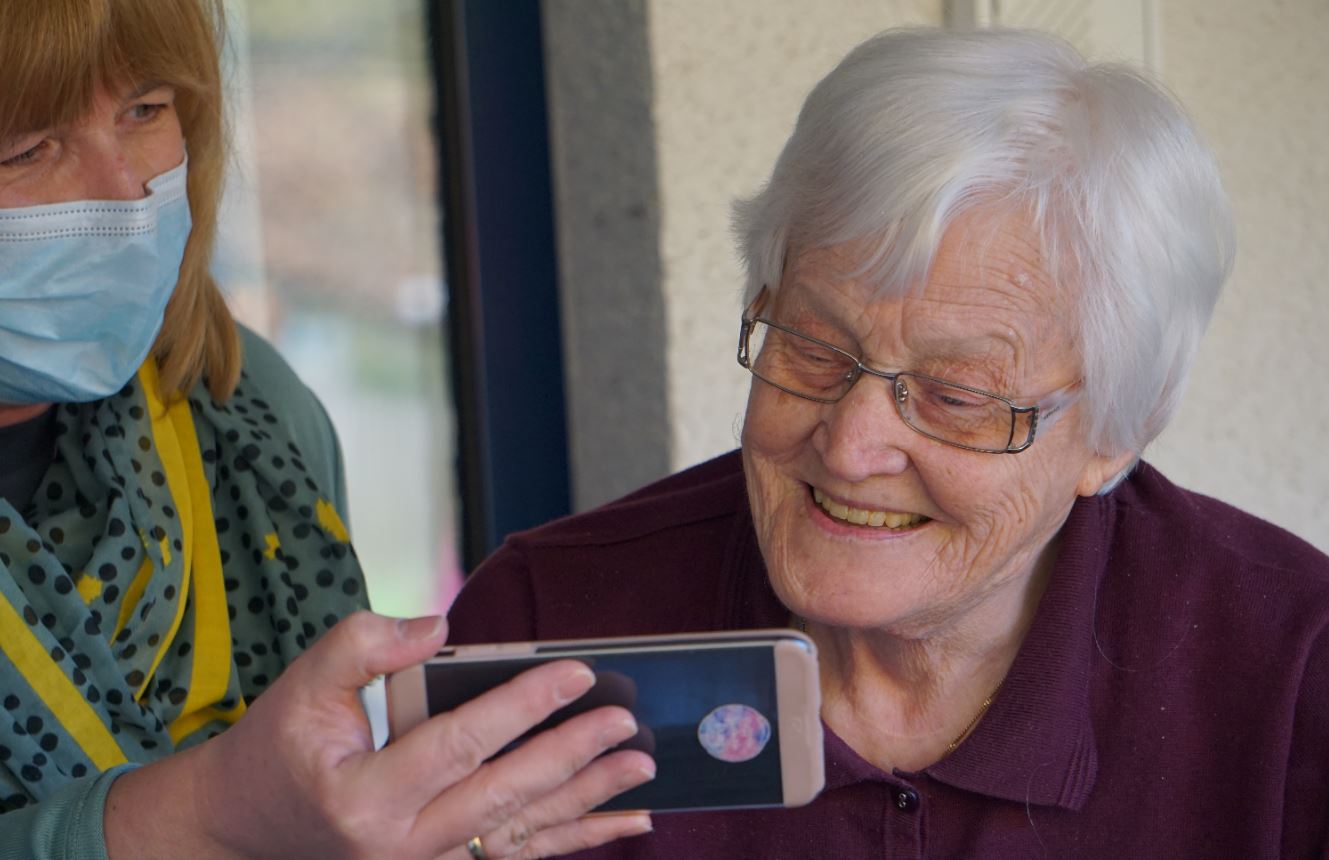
<point>177,445</point>
<point>57,691</point>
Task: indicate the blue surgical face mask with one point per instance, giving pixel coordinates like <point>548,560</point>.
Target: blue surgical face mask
<point>83,290</point>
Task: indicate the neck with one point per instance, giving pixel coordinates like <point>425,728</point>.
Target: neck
<point>903,698</point>
<point>17,414</point>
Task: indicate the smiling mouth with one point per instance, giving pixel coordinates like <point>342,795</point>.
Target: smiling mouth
<point>893,520</point>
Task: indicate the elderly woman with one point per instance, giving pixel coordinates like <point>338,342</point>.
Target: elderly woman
<point>976,280</point>
<point>170,544</point>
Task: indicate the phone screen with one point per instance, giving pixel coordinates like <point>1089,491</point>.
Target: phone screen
<point>707,716</point>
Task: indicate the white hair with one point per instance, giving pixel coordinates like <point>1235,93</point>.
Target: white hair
<point>916,126</point>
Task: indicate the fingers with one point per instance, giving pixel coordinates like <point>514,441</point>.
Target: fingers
<point>447,748</point>
<point>363,646</point>
<point>553,824</point>
<point>584,833</point>
<point>565,838</point>
<point>541,783</point>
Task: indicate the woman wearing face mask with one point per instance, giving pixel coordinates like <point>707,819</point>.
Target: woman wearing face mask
<point>170,542</point>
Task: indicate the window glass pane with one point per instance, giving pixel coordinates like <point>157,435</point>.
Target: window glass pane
<point>329,247</point>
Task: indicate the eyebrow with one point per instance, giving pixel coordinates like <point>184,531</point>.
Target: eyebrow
<point>145,88</point>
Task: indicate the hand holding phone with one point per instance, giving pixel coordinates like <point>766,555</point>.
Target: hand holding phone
<point>732,719</point>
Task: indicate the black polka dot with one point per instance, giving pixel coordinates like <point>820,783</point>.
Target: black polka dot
<point>30,773</point>
<point>107,572</point>
<point>350,587</point>
<point>33,725</point>
<point>114,697</point>
<point>30,616</point>
<point>169,592</point>
<point>11,702</point>
<point>63,584</point>
<point>128,553</point>
<point>134,679</point>
<point>116,527</point>
<point>36,575</point>
<point>57,535</point>
<point>33,545</point>
<point>49,742</point>
<point>78,770</point>
<point>4,525</point>
<point>110,594</point>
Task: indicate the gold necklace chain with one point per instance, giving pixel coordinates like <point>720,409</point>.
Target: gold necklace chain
<point>802,624</point>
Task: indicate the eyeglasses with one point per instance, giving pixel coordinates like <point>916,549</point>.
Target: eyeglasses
<point>948,412</point>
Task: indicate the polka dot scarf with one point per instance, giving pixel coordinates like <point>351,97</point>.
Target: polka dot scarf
<point>173,560</point>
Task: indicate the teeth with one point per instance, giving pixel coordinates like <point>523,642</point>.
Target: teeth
<point>861,517</point>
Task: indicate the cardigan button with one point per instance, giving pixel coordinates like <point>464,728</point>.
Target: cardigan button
<point>906,799</point>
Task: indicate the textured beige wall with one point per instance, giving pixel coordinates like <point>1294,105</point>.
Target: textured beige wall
<point>1254,429</point>
<point>727,81</point>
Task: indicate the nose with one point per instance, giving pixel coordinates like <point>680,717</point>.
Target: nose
<point>863,435</point>
<point>109,173</point>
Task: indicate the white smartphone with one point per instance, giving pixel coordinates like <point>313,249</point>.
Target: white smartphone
<point>733,719</point>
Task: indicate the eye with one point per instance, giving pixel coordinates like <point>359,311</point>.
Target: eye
<point>151,105</point>
<point>27,156</point>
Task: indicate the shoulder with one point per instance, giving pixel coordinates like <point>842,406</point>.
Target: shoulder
<point>1240,593</point>
<point>1155,514</point>
<point>706,492</point>
<point>652,561</point>
<point>297,409</point>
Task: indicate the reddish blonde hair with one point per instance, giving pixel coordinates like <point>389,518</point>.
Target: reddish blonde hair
<point>57,53</point>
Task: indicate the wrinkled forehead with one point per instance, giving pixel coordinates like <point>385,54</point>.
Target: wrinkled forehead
<point>987,290</point>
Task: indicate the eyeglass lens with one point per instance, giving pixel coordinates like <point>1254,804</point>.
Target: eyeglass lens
<point>942,410</point>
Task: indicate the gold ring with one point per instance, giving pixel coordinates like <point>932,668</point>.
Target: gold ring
<point>477,848</point>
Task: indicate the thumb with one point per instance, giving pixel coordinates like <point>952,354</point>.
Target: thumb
<point>364,645</point>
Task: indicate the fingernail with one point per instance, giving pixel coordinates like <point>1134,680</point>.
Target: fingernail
<point>619,730</point>
<point>415,629</point>
<point>637,776</point>
<point>574,684</point>
<point>642,825</point>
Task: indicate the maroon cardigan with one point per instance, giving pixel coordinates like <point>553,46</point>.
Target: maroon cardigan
<point>1171,699</point>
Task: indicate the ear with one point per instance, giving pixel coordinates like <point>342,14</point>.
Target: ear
<point>1100,469</point>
